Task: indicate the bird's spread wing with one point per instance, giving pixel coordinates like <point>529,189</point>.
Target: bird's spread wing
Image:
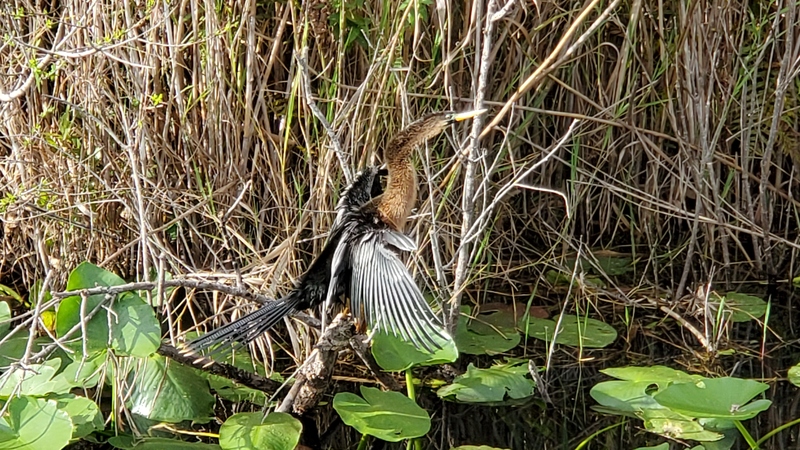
<point>383,292</point>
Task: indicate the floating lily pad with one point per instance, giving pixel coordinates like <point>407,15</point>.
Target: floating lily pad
<point>134,329</point>
<point>34,424</point>
<point>166,391</point>
<point>574,331</point>
<point>625,396</point>
<point>794,375</point>
<point>276,431</point>
<point>745,307</point>
<point>390,416</point>
<point>486,333</point>
<point>127,442</point>
<point>676,426</point>
<point>490,385</point>
<point>660,375</point>
<point>721,398</point>
<point>395,354</point>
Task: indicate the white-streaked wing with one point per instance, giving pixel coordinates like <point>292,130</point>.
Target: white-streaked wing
<point>384,290</point>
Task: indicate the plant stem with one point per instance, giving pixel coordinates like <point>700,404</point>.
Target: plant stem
<point>750,441</point>
<point>777,430</point>
<point>362,444</point>
<point>413,444</point>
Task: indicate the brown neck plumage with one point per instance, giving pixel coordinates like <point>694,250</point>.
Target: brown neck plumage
<point>395,205</point>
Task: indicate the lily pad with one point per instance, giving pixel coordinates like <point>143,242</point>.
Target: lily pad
<point>574,331</point>
<point>166,391</point>
<point>395,354</point>
<point>127,442</point>
<point>721,398</point>
<point>490,385</point>
<point>490,334</point>
<point>676,426</point>
<point>660,375</point>
<point>36,380</point>
<point>745,307</point>
<point>34,424</point>
<point>794,375</point>
<point>244,431</point>
<point>390,416</point>
<point>84,413</point>
<point>134,329</point>
<point>624,396</point>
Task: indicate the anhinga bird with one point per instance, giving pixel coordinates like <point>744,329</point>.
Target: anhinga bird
<point>360,258</point>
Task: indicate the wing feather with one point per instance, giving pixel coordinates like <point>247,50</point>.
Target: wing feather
<point>383,286</point>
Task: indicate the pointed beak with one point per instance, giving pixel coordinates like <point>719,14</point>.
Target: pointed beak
<point>459,117</point>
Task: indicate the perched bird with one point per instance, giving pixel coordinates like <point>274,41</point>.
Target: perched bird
<point>360,258</point>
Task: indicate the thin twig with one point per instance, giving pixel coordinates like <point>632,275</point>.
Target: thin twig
<point>312,105</point>
<point>467,200</point>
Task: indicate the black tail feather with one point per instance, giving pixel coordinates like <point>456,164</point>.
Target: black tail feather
<point>246,329</point>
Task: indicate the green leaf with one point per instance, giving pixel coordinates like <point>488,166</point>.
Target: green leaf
<point>34,424</point>
<point>676,426</point>
<point>574,331</point>
<point>84,414</point>
<point>169,392</point>
<point>745,307</point>
<point>615,265</point>
<point>244,431</point>
<point>721,398</point>
<point>37,380</point>
<point>660,375</point>
<point>395,354</point>
<point>662,446</point>
<point>624,396</point>
<point>476,447</point>
<point>390,416</point>
<point>127,442</point>
<point>490,385</point>
<point>794,375</point>
<point>5,317</point>
<point>134,330</point>
<point>487,333</point>
<point>85,373</point>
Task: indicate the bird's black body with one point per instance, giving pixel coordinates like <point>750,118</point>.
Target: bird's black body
<point>312,288</point>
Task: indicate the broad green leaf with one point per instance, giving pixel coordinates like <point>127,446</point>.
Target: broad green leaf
<point>134,330</point>
<point>245,431</point>
<point>574,331</point>
<point>487,333</point>
<point>34,424</point>
<point>166,391</point>
<point>127,442</point>
<point>395,354</point>
<point>37,380</point>
<point>85,373</point>
<point>12,350</point>
<point>476,447</point>
<point>5,318</point>
<point>721,398</point>
<point>490,385</point>
<point>660,375</point>
<point>794,375</point>
<point>744,307</point>
<point>624,396</point>
<point>84,414</point>
<point>615,265</point>
<point>662,446</point>
<point>390,416</point>
<point>677,426</point>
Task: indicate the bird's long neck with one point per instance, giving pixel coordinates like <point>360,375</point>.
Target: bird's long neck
<point>395,205</point>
